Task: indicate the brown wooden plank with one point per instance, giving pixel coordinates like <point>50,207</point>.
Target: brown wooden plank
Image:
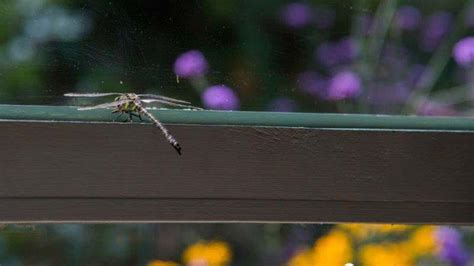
<point>211,210</point>
<point>116,160</point>
<point>429,172</point>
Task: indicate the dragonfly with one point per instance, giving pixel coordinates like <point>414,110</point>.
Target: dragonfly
<point>132,105</point>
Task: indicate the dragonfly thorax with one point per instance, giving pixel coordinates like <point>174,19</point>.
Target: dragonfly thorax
<point>130,106</point>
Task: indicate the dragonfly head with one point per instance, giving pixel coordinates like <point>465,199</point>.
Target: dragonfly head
<point>131,96</point>
<point>127,96</point>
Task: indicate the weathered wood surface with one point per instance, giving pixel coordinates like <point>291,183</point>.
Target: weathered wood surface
<point>60,171</point>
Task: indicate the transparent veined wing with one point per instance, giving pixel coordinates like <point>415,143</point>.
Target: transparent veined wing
<point>105,105</point>
<point>170,103</point>
<point>169,99</point>
<point>92,94</point>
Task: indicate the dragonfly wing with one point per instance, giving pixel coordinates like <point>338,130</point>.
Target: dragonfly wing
<point>169,99</point>
<point>105,105</point>
<point>169,103</point>
<point>92,94</point>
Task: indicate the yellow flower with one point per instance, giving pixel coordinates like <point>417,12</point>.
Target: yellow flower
<point>422,241</point>
<point>358,231</point>
<point>391,228</point>
<point>214,253</point>
<point>363,231</point>
<point>161,263</point>
<point>304,257</point>
<point>386,255</point>
<point>333,249</point>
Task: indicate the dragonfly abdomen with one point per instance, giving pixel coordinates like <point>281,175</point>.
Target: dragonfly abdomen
<point>158,124</point>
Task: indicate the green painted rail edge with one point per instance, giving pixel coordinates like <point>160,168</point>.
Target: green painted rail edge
<point>314,120</point>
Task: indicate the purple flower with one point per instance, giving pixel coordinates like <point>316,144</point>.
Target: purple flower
<point>348,49</point>
<point>313,84</point>
<point>435,29</point>
<point>220,97</point>
<point>450,246</point>
<point>420,76</point>
<point>334,53</point>
<point>388,94</point>
<point>414,74</point>
<point>343,85</point>
<point>297,15</point>
<point>327,55</point>
<point>431,108</point>
<point>282,104</point>
<point>463,51</point>
<point>324,17</point>
<point>191,64</point>
<point>407,18</point>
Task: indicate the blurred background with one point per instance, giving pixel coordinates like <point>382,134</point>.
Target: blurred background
<point>236,244</point>
<point>349,56</point>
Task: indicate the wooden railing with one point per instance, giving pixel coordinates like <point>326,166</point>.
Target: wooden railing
<point>58,165</point>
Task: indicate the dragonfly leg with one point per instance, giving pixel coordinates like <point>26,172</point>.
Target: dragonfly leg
<point>131,114</point>
<point>120,115</point>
